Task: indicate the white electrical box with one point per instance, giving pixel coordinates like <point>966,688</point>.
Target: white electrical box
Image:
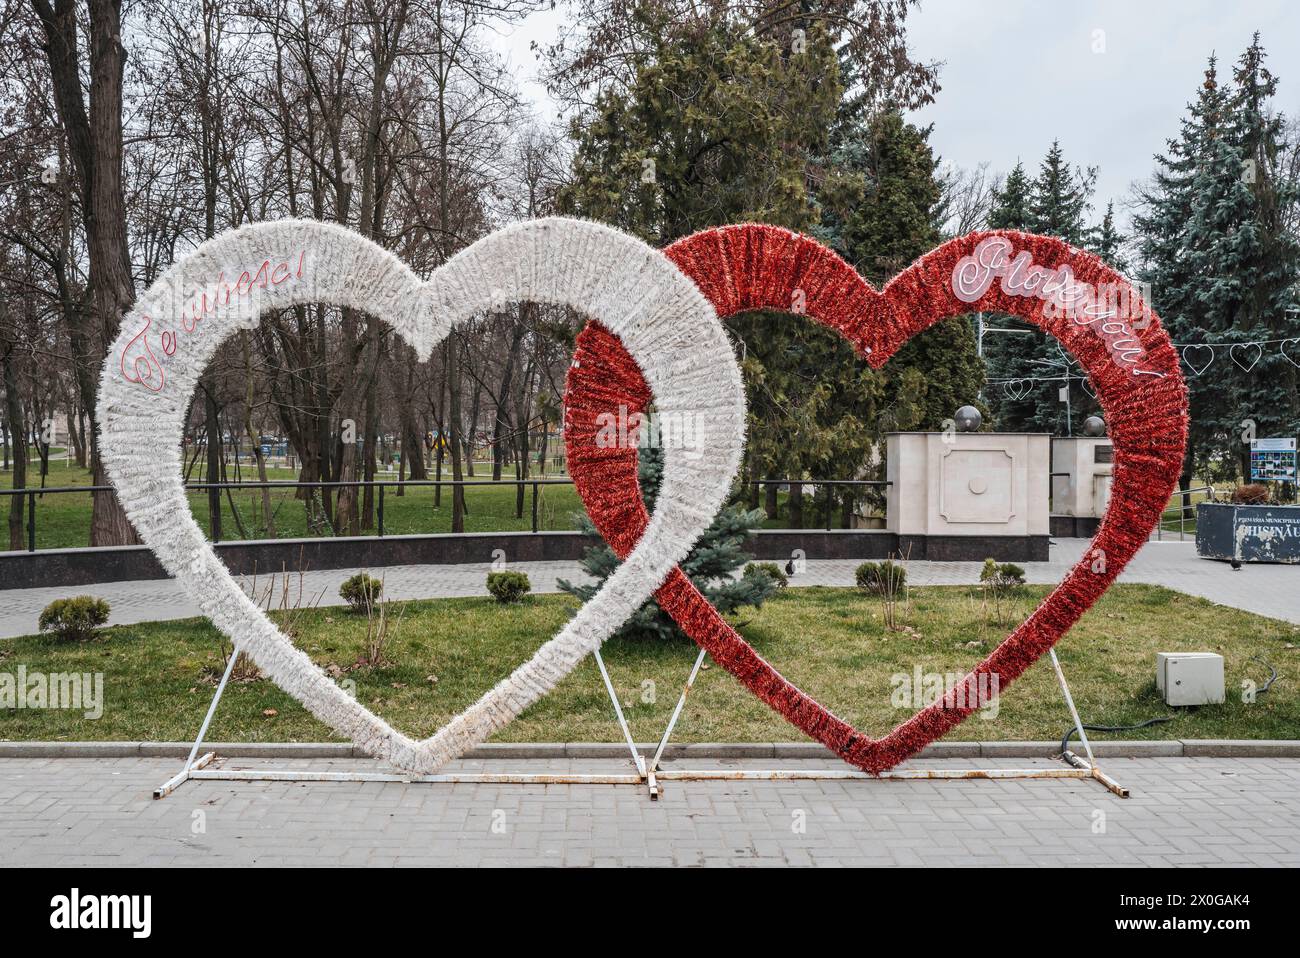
<point>1190,678</point>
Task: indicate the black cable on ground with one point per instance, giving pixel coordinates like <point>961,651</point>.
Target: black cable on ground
<point>1069,733</point>
<point>1271,679</point>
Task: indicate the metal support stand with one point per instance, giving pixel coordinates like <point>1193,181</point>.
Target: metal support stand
<point>672,722</point>
<point>1070,757</point>
<point>637,760</point>
<point>649,773</point>
<point>173,783</point>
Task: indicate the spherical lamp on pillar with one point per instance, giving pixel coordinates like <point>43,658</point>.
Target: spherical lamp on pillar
<point>1094,427</point>
<point>968,419</point>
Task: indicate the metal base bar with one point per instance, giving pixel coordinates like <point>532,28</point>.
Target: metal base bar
<point>183,776</point>
<point>201,772</point>
<point>894,774</point>
<point>446,778</point>
<point>1096,773</point>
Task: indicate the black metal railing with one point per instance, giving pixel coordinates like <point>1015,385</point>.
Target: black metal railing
<point>380,485</point>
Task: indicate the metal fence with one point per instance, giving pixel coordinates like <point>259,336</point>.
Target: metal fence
<point>381,488</point>
<point>824,499</point>
<point>1186,504</point>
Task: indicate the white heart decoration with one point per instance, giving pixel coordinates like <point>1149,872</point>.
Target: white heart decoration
<point>1287,356</point>
<point>180,322</point>
<point>1017,389</point>
<point>1191,363</point>
<point>1245,350</point>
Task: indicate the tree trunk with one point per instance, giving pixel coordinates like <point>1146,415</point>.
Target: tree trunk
<point>268,517</point>
<point>455,440</point>
<point>95,148</point>
<point>796,505</point>
<point>14,413</point>
<point>213,432</point>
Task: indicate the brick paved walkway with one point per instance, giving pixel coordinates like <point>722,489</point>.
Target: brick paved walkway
<point>1193,812</point>
<point>1271,590</point>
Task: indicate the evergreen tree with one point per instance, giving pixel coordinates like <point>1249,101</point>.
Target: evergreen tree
<point>711,565</point>
<point>1008,355</point>
<point>1223,266</point>
<point>716,128</point>
<point>1162,222</point>
<point>730,119</point>
<point>1109,243</point>
<point>1267,257</point>
<point>939,370</point>
<point>1012,201</point>
<point>1055,203</point>
<point>1061,199</point>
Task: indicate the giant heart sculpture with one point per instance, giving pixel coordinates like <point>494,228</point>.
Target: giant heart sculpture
<point>662,319</point>
<point>1069,293</point>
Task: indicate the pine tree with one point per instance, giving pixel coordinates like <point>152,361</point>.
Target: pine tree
<point>1109,243</point>
<point>1011,202</point>
<point>1166,246</point>
<point>1008,355</point>
<point>1223,266</point>
<point>1266,256</point>
<point>1061,199</point>
<point>939,370</point>
<point>1056,203</point>
<point>711,565</point>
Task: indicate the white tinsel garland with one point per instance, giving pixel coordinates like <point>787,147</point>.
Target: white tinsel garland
<point>184,318</point>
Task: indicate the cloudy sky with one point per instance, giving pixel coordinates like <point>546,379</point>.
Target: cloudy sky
<point>1109,79</point>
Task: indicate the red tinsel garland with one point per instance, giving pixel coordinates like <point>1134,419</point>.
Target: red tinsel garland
<point>747,267</point>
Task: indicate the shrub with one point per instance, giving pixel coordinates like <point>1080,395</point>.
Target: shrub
<point>881,578</point>
<point>508,586</point>
<point>1255,492</point>
<point>771,570</point>
<point>74,619</point>
<point>1006,575</point>
<point>361,592</point>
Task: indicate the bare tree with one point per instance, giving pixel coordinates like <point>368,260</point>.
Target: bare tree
<point>95,147</point>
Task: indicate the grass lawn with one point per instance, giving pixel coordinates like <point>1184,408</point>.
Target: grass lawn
<point>63,519</point>
<point>831,641</point>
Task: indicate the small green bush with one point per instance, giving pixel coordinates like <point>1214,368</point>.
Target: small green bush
<point>771,570</point>
<point>1006,575</point>
<point>881,578</point>
<point>508,586</point>
<point>361,592</point>
<point>75,619</point>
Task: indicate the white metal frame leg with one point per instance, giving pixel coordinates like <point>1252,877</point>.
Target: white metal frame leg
<point>653,773</point>
<point>1070,757</point>
<point>173,783</point>
<point>637,759</point>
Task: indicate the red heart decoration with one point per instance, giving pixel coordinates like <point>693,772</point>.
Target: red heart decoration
<point>1133,367</point>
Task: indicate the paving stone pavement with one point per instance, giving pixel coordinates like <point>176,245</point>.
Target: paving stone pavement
<point>1183,812</point>
<point>1271,590</point>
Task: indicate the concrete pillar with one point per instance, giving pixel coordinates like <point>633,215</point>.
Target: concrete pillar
<point>1081,476</point>
<point>969,495</point>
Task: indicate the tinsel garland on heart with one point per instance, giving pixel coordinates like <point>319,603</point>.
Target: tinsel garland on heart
<point>152,370</point>
<point>1131,364</point>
